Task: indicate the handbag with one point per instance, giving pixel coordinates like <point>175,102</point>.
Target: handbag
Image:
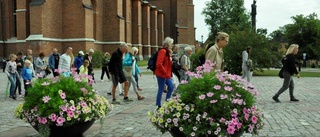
<point>48,71</point>
<point>127,71</point>
<point>281,73</point>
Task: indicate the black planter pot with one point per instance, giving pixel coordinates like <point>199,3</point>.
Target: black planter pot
<point>175,132</point>
<point>75,130</point>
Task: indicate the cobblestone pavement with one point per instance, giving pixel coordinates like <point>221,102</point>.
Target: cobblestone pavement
<point>130,119</point>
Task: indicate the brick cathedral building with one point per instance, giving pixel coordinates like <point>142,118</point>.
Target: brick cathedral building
<point>42,25</point>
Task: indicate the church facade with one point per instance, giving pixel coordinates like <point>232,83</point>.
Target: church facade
<point>102,25</point>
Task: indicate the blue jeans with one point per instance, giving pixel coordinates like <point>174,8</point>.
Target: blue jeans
<point>161,84</point>
<point>12,80</point>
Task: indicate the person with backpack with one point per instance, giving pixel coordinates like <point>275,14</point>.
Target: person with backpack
<point>246,64</point>
<point>215,53</point>
<point>289,69</point>
<point>185,63</point>
<point>163,70</point>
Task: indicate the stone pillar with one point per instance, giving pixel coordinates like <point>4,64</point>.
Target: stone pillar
<point>137,26</point>
<point>160,28</point>
<point>154,28</point>
<point>146,30</point>
<point>21,20</point>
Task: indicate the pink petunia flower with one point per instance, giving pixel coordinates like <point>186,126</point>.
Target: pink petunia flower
<point>223,96</point>
<point>217,87</point>
<point>184,82</point>
<point>213,101</point>
<point>45,99</point>
<point>230,130</point>
<point>228,88</point>
<point>72,108</point>
<point>210,94</point>
<point>44,121</point>
<point>202,96</point>
<point>254,119</point>
<point>84,90</point>
<point>63,95</point>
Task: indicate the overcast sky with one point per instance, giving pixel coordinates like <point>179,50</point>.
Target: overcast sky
<point>271,14</point>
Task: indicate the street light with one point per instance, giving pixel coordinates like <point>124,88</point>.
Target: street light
<point>202,39</point>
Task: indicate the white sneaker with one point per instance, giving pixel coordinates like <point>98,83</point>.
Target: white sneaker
<point>20,96</point>
<point>102,80</point>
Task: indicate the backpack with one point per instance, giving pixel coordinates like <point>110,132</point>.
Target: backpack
<point>152,61</point>
<point>202,57</point>
<point>176,65</point>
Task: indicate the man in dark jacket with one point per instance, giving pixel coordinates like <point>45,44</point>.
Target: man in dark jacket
<point>90,58</point>
<point>117,75</point>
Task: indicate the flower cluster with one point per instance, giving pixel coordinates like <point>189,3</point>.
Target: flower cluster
<point>212,103</point>
<point>62,101</point>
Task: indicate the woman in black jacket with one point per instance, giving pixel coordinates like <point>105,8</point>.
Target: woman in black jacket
<point>289,69</point>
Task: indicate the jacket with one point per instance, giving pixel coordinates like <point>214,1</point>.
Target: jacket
<point>51,61</point>
<point>163,64</point>
<point>289,64</point>
<point>215,55</point>
<point>78,62</point>
<point>115,64</point>
<point>130,60</point>
<point>86,57</point>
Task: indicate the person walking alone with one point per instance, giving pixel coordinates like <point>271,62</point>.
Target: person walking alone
<point>289,69</point>
<point>246,65</point>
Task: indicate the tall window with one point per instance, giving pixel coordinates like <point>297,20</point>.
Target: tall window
<point>14,8</point>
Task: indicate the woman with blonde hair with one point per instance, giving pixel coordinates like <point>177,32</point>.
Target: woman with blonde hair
<point>215,52</point>
<point>289,69</point>
<point>130,68</point>
<point>12,73</point>
<point>84,69</point>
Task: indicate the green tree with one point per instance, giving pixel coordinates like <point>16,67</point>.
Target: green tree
<point>305,31</point>
<point>225,15</point>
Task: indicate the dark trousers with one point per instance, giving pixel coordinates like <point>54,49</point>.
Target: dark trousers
<point>26,87</point>
<point>176,72</point>
<point>287,83</point>
<point>92,74</point>
<point>105,70</point>
<point>18,85</point>
<point>54,73</point>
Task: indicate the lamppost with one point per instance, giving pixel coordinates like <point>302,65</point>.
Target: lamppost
<point>253,15</point>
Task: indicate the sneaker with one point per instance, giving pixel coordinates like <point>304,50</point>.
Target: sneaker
<point>127,100</point>
<point>121,94</point>
<point>294,99</point>
<point>20,96</point>
<point>109,93</point>
<point>139,89</point>
<point>102,80</point>
<point>276,99</point>
<point>115,102</point>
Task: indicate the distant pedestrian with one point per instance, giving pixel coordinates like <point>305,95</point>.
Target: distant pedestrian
<point>175,60</point>
<point>65,62</point>
<point>20,63</point>
<point>29,53</point>
<point>117,75</point>
<point>105,63</point>
<point>89,57</point>
<point>137,71</point>
<point>30,58</point>
<point>27,76</point>
<point>54,61</point>
<point>84,69</point>
<point>130,68</point>
<point>11,71</point>
<point>289,69</point>
<point>215,52</point>
<point>185,64</point>
<point>163,70</point>
<point>78,61</point>
<point>246,65</point>
<point>41,66</point>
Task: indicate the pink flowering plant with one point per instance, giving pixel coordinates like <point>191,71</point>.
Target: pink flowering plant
<point>212,103</point>
<point>62,101</point>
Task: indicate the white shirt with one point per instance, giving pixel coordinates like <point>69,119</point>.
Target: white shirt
<point>64,63</point>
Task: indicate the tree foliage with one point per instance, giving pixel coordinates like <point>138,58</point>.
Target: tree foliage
<point>225,15</point>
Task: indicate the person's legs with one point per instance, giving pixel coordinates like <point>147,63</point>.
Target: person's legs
<point>244,72</point>
<point>102,73</point>
<point>285,86</point>
<point>115,81</point>
<point>13,85</point>
<point>169,83</point>
<point>18,86</point>
<point>161,82</point>
<point>107,73</point>
<point>291,88</point>
<point>136,78</point>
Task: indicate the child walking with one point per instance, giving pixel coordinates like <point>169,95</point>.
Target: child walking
<point>27,75</point>
<point>105,63</point>
<point>84,69</point>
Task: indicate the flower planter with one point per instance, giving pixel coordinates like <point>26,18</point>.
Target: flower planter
<point>75,130</point>
<point>175,132</point>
